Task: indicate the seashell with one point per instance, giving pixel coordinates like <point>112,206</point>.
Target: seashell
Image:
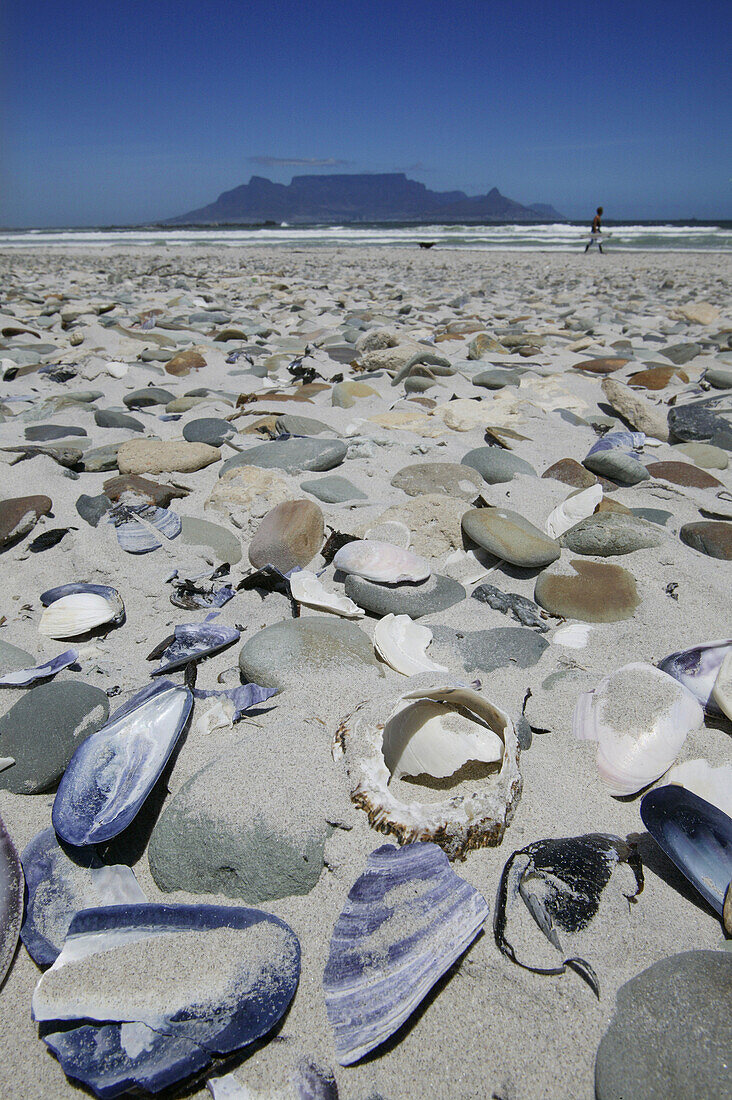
<point>61,883</point>
<point>577,506</point>
<point>407,919</point>
<point>11,900</point>
<point>448,733</point>
<point>113,771</point>
<point>6,762</point>
<point>284,1081</point>
<point>239,699</point>
<point>402,643</point>
<point>573,635</point>
<point>136,525</point>
<point>24,677</point>
<point>194,592</point>
<point>74,609</point>
<point>306,588</point>
<point>697,669</point>
<point>695,835</point>
<point>561,883</point>
<point>712,784</point>
<point>381,562</point>
<point>628,442</point>
<point>722,690</point>
<point>191,642</point>
<point>640,718</point>
<point>154,992</point>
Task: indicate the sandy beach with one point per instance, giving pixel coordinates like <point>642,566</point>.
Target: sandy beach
<point>403,358</point>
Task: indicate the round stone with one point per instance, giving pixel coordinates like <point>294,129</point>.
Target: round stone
<point>100,459</point>
<point>208,429</point>
<point>608,534</point>
<point>110,418</point>
<point>435,594</point>
<point>184,362</point>
<point>571,472</point>
<point>496,465</point>
<point>709,537</point>
<point>333,489</point>
<point>594,592</point>
<point>147,397</point>
<point>451,479</point>
<point>43,730</point>
<point>719,378</point>
<point>683,473</point>
<point>291,455</point>
<point>19,515</point>
<point>152,491</point>
<point>671,1035</point>
<point>291,534</point>
<point>199,532</point>
<point>618,466</point>
<point>92,509</point>
<point>291,653</point>
<point>509,536</point>
<point>497,379</point>
<point>250,488</point>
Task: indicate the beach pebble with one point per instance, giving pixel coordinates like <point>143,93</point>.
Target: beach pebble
<point>288,536</point>
<point>610,533</point>
<point>345,394</point>
<point>332,490</point>
<point>151,491</point>
<point>521,608</point>
<point>509,536</point>
<point>683,473</point>
<point>208,429</point>
<point>681,353</point>
<point>110,418</point>
<point>199,532</point>
<point>709,537</point>
<point>451,479</point>
<point>19,515</point>
<point>488,650</point>
<point>718,378</point>
<point>497,379</point>
<point>671,1034</point>
<point>695,421</point>
<point>636,409</point>
<point>618,466</point>
<point>291,455</point>
<point>184,362</point>
<point>43,730</point>
<point>656,378</point>
<point>496,465</point>
<point>435,594</point>
<point>251,488</point>
<point>148,456</point>
<point>593,592</point>
<point>483,344</point>
<point>147,397</point>
<point>433,521</point>
<point>704,455</point>
<point>293,652</point>
<point>41,433</point>
<point>92,509</point>
<point>100,459</point>
<point>571,472</point>
<point>292,424</point>
<point>12,659</point>
<point>601,365</point>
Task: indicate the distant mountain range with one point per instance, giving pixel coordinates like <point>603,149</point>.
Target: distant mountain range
<point>358,198</point>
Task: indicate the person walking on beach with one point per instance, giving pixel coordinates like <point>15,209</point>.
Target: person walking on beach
<point>596,232</point>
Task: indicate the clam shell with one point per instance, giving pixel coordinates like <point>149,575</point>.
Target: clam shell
<point>11,900</point>
<point>402,643</point>
<point>576,507</point>
<point>113,771</point>
<point>469,728</point>
<point>24,677</point>
<point>407,919</point>
<point>306,588</point>
<point>74,609</point>
<point>137,526</point>
<point>169,987</point>
<point>639,717</point>
<point>381,562</point>
<point>192,642</point>
<point>697,669</point>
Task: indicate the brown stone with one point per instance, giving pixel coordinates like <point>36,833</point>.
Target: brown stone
<point>655,378</point>
<point>571,472</point>
<point>601,366</point>
<point>160,495</point>
<point>594,593</point>
<point>683,473</point>
<point>18,515</point>
<point>709,537</point>
<point>606,505</point>
<point>183,363</point>
<point>290,534</point>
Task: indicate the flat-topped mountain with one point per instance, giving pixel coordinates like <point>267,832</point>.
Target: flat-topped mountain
<point>357,198</point>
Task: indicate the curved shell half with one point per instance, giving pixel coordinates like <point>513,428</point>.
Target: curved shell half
<point>576,507</point>
<point>306,588</point>
<point>381,562</point>
<point>447,738</point>
<point>74,609</point>
<point>403,643</point>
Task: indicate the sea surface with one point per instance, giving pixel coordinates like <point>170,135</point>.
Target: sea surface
<point>559,237</point>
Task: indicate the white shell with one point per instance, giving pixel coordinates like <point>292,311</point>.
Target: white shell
<point>6,762</point>
<point>577,506</point>
<point>436,727</point>
<point>712,784</point>
<point>381,562</point>
<point>306,588</point>
<point>640,718</point>
<point>75,614</point>
<point>722,690</point>
<point>403,643</point>
<point>573,635</point>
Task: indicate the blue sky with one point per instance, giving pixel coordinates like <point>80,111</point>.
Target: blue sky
<point>124,111</point>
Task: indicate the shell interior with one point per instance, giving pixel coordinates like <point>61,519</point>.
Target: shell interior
<point>306,588</point>
<point>381,562</point>
<point>403,643</point>
<point>75,614</point>
<point>435,738</point>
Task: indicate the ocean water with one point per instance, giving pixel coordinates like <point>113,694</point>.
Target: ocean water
<point>560,237</point>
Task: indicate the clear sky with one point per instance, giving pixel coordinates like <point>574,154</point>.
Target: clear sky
<point>125,111</point>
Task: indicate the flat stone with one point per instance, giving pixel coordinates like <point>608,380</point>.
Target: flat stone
<point>704,455</point>
<point>41,433</point>
<point>709,537</point>
<point>12,659</point>
<point>700,313</point>
<point>608,534</point>
<point>291,455</point>
<point>290,535</point>
<point>92,509</point>
<point>149,456</point>
<point>718,378</point>
<point>19,515</point>
<point>333,489</point>
<point>656,378</point>
<point>43,730</point>
<point>450,479</point>
<point>434,522</point>
<point>199,532</point>
<point>671,1035</point>
<point>147,397</point>
<point>497,379</point>
<point>482,345</point>
<point>208,429</point>
<point>435,594</point>
<point>681,353</point>
<point>601,365</point>
<point>683,473</point>
<point>153,491</point>
<point>109,418</point>
<point>184,362</point>
<point>100,459</point>
<point>571,472</point>
<point>653,515</point>
<point>595,592</point>
<point>211,839</point>
<point>488,650</point>
<point>522,609</point>
<point>636,409</point>
<point>496,465</point>
<point>510,537</point>
<point>618,466</point>
<point>292,424</point>
<point>292,653</point>
<point>695,421</point>
<point>344,395</point>
<point>248,487</point>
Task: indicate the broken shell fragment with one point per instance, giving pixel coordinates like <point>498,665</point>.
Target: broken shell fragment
<point>191,642</point>
<point>403,644</point>
<point>639,717</point>
<point>722,690</point>
<point>24,677</point>
<point>576,507</point>
<point>75,609</point>
<point>381,562</point>
<point>458,753</point>
<point>697,669</point>
<point>11,900</point>
<point>306,588</point>
<point>712,784</point>
<point>407,919</point>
